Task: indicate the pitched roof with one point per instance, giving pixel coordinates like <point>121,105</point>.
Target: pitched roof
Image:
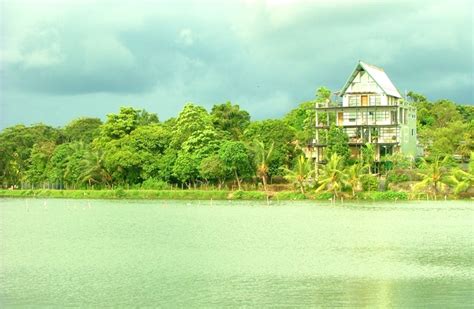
<point>377,74</point>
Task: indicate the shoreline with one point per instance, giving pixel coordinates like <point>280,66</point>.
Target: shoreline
<point>140,194</point>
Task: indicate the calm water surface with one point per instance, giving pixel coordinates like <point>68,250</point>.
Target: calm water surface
<point>180,254</point>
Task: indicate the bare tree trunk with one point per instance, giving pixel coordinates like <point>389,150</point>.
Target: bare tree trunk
<point>264,180</point>
<point>238,180</point>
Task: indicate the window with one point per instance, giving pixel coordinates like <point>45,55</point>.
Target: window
<point>374,100</point>
<point>381,116</point>
<point>352,116</point>
<point>354,100</point>
<point>412,132</point>
<point>394,116</point>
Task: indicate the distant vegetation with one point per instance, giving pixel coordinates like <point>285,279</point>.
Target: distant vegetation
<point>224,150</point>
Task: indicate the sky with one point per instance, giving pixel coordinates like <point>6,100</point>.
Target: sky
<point>60,60</point>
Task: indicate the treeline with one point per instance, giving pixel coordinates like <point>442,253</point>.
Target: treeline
<point>224,148</point>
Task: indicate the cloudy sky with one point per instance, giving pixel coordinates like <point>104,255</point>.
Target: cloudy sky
<point>63,59</point>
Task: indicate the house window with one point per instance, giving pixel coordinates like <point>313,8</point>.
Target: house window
<point>374,100</point>
<point>354,100</point>
<point>412,132</point>
<point>394,117</point>
<point>381,115</point>
<point>352,116</point>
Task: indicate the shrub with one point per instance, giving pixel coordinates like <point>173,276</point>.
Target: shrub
<point>369,182</point>
<point>286,195</point>
<point>324,196</point>
<point>383,196</point>
<point>154,184</point>
<point>247,195</point>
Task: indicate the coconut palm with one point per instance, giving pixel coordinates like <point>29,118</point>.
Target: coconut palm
<point>433,175</point>
<point>368,155</point>
<point>301,173</point>
<point>95,170</point>
<point>463,180</point>
<point>263,156</point>
<point>355,174</point>
<point>332,177</point>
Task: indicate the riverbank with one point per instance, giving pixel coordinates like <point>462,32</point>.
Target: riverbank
<point>195,195</point>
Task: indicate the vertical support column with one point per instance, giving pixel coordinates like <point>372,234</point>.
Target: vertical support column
<point>316,161</point>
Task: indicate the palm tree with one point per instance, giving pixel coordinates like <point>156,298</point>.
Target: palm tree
<point>355,173</point>
<point>433,175</point>
<point>332,177</point>
<point>368,155</point>
<point>302,171</point>
<point>95,170</point>
<point>463,180</point>
<point>263,157</point>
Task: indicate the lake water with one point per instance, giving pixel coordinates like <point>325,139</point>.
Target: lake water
<point>202,254</point>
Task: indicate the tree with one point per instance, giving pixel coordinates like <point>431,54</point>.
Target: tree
<point>82,129</point>
<point>301,173</point>
<point>332,177</point>
<point>278,133</point>
<point>213,168</point>
<point>230,118</point>
<point>338,143</point>
<point>186,168</point>
<point>95,170</point>
<point>323,94</point>
<point>368,155</point>
<point>236,160</point>
<point>463,180</point>
<point>433,175</point>
<point>127,120</point>
<point>191,119</point>
<point>355,174</point>
<point>40,155</point>
<point>445,111</point>
<point>16,144</point>
<point>262,156</point>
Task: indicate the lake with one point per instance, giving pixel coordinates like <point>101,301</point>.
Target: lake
<point>98,253</point>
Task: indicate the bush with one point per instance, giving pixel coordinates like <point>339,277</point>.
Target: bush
<point>247,195</point>
<point>369,182</point>
<point>383,196</point>
<point>286,195</point>
<point>324,196</point>
<point>154,184</point>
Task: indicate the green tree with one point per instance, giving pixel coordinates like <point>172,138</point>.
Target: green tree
<point>95,170</point>
<point>213,169</point>
<point>302,172</point>
<point>263,155</point>
<point>127,120</point>
<point>40,155</point>
<point>278,133</point>
<point>82,129</point>
<point>191,119</point>
<point>16,145</point>
<point>186,169</point>
<point>463,180</point>
<point>355,176</point>
<point>229,118</point>
<point>236,160</point>
<point>332,177</point>
<point>433,175</point>
<point>338,143</point>
<point>368,155</point>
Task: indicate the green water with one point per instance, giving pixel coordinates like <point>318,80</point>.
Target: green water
<point>182,254</point>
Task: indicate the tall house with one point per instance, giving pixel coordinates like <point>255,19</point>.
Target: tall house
<point>372,111</point>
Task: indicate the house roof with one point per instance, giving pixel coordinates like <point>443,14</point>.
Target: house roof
<point>377,74</point>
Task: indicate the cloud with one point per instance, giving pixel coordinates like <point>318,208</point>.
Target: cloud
<point>257,53</point>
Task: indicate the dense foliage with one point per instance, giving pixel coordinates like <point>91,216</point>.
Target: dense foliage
<point>225,149</point>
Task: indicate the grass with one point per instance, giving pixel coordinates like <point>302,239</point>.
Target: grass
<point>198,195</point>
